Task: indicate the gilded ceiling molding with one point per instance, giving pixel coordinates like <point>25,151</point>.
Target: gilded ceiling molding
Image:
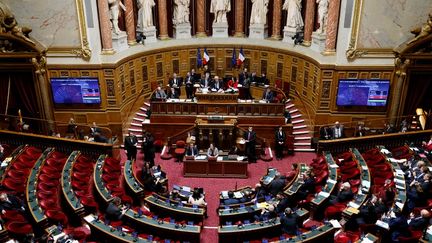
<point>353,50</point>
<point>420,45</point>
<point>83,50</point>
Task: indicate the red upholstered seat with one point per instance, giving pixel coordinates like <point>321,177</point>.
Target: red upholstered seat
<point>109,178</point>
<point>57,216</point>
<point>19,228</point>
<point>50,170</point>
<point>126,199</point>
<point>46,178</point>
<point>322,177</point>
<point>18,173</point>
<point>57,155</point>
<point>165,154</point>
<point>54,163</point>
<point>49,204</point>
<point>348,165</point>
<point>180,148</point>
<point>83,193</point>
<point>83,159</point>
<point>46,186</point>
<point>334,211</point>
<point>13,215</point>
<point>116,223</point>
<point>33,150</point>
<point>88,201</point>
<point>81,176</point>
<point>83,167</point>
<point>46,194</point>
<point>13,185</point>
<point>112,162</point>
<point>22,165</point>
<point>111,169</point>
<point>158,145</point>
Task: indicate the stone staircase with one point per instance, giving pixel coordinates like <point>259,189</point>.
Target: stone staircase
<point>301,132</point>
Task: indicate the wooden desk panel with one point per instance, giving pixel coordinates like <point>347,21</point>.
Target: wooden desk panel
<point>216,97</point>
<point>224,168</point>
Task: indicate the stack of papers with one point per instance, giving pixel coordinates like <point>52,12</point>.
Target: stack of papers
<point>334,166</point>
<point>335,223</point>
<point>382,224</point>
<point>219,158</point>
<point>324,194</point>
<point>353,210</point>
<point>399,205</point>
<point>353,205</point>
<point>89,218</point>
<point>238,194</point>
<point>331,181</point>
<point>364,167</point>
<point>224,194</point>
<point>366,240</point>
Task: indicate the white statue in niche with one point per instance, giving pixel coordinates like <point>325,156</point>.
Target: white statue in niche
<point>294,17</point>
<point>219,8</point>
<point>181,12</point>
<point>322,15</point>
<point>115,12</point>
<point>259,12</point>
<point>145,15</point>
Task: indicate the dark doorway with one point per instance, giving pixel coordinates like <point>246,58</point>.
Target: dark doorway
<point>419,93</point>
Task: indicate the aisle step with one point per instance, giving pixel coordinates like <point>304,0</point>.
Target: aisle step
<point>302,144</point>
<point>296,116</point>
<point>138,119</point>
<point>143,109</point>
<point>293,111</point>
<point>304,150</point>
<point>289,106</point>
<point>302,138</point>
<point>299,126</point>
<point>300,132</point>
<point>141,114</point>
<point>297,121</point>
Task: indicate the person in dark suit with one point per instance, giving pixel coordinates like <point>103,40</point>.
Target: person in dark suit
<point>250,137</point>
<point>307,187</point>
<point>196,76</point>
<point>267,95</point>
<point>176,83</point>
<point>243,76</point>
<point>254,78</point>
<point>114,210</point>
<point>290,222</point>
<point>148,148</point>
<point>173,94</point>
<point>191,150</point>
<point>279,142</point>
<point>10,202</point>
<point>398,226</point>
<point>206,82</point>
<point>130,145</point>
<point>264,80</point>
<point>345,194</point>
<point>277,184</point>
<point>326,133</point>
<point>283,203</point>
<point>217,85</point>
<point>231,200</point>
<point>1,153</point>
<point>420,222</point>
<point>189,83</point>
<point>338,131</point>
<point>95,129</point>
<point>371,211</point>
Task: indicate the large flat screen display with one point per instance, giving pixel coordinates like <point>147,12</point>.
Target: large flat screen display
<point>363,92</point>
<point>75,90</point>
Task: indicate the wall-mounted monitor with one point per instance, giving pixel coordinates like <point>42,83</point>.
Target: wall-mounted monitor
<point>363,92</point>
<point>76,90</point>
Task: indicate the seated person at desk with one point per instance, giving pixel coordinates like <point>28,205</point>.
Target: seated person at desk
<point>234,150</point>
<point>345,194</point>
<point>191,150</point>
<point>231,199</point>
<point>173,94</point>
<point>292,174</point>
<point>212,151</point>
<point>277,185</point>
<point>371,211</point>
<point>307,187</point>
<point>153,177</point>
<point>418,192</point>
<point>115,211</point>
<point>264,80</point>
<point>266,213</point>
<point>398,226</point>
<point>267,95</point>
<point>175,82</point>
<point>217,85</point>
<point>160,94</point>
<point>421,221</point>
<point>206,82</point>
<point>283,203</point>
<point>10,202</point>
<point>232,83</point>
<point>197,199</point>
<point>254,78</point>
<point>290,222</point>
<point>189,83</point>
<point>175,195</point>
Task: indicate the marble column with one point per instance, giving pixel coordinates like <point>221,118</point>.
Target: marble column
<point>163,20</point>
<point>239,19</point>
<point>200,8</point>
<point>332,26</point>
<point>277,17</point>
<point>130,25</point>
<point>309,22</point>
<point>105,26</point>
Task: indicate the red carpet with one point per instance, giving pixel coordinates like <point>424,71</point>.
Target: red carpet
<point>213,186</point>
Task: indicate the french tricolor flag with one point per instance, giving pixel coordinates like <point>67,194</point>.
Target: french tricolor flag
<point>206,57</point>
<point>241,57</point>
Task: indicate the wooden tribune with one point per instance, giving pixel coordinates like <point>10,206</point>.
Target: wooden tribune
<point>215,168</point>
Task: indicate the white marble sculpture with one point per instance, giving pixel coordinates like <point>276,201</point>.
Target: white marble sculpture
<point>259,12</point>
<point>322,15</point>
<point>219,8</point>
<point>294,17</point>
<point>181,12</point>
<point>115,12</point>
<point>145,15</point>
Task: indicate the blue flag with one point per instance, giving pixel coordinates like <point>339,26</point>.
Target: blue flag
<point>199,59</point>
<point>234,58</point>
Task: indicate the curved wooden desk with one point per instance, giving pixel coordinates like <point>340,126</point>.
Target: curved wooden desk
<point>68,193</point>
<point>220,168</point>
